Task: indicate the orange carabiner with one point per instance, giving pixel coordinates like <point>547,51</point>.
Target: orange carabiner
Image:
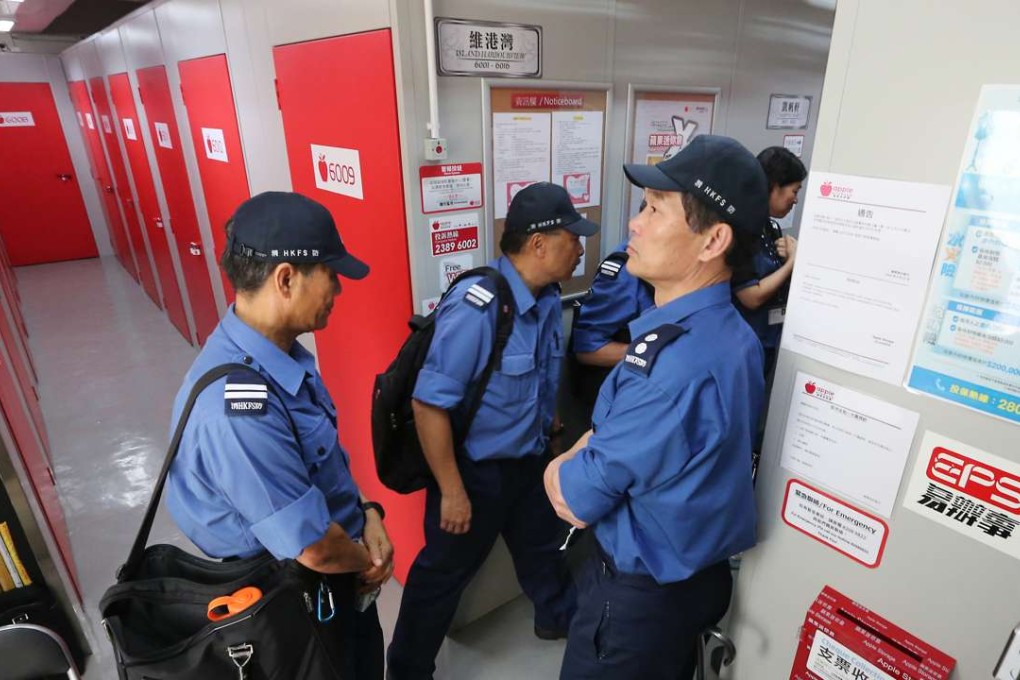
<point>228,605</point>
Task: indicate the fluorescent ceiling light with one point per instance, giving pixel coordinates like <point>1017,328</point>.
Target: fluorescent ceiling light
<point>6,25</point>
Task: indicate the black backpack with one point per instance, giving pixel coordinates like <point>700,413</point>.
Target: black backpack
<point>399,459</point>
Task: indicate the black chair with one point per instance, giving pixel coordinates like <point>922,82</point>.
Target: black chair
<point>714,656</point>
<point>31,652</point>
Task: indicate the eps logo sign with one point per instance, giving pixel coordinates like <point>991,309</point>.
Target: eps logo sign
<point>337,170</point>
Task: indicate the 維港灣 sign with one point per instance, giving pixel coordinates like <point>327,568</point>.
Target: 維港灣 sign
<point>488,48</point>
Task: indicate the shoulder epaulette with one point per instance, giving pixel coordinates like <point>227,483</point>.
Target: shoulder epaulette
<point>481,293</point>
<point>246,394</point>
<point>611,266</point>
<point>642,352</point>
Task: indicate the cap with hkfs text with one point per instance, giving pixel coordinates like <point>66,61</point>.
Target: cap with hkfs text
<point>720,173</point>
<point>544,206</point>
<point>282,226</point>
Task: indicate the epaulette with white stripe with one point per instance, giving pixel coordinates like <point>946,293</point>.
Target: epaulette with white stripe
<point>612,265</point>
<point>480,293</point>
<point>246,394</point>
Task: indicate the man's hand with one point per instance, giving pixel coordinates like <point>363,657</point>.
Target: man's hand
<point>377,541</point>
<point>455,512</point>
<point>555,494</point>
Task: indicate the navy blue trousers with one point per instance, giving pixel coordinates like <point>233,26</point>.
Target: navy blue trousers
<point>507,498</point>
<point>628,627</point>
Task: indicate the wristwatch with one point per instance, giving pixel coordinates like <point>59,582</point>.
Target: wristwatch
<point>372,505</point>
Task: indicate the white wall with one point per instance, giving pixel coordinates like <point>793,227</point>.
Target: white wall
<point>44,67</point>
<point>900,91</point>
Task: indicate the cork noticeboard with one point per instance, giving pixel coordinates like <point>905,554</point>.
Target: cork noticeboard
<point>555,134</point>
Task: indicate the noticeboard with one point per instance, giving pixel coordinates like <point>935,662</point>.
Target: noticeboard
<point>553,133</point>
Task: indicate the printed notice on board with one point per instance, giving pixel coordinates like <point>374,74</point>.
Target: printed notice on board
<point>967,490</point>
<point>522,150</point>
<point>577,155</point>
<point>849,442</point>
<point>451,186</point>
<point>967,351</point>
<point>866,249</point>
<point>129,129</point>
<point>662,127</point>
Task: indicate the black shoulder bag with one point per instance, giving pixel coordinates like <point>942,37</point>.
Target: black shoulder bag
<point>156,615</point>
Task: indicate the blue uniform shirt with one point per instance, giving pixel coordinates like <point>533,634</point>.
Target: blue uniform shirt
<point>240,483</point>
<point>519,403</point>
<point>616,298</point>
<point>665,480</point>
<point>766,260</point>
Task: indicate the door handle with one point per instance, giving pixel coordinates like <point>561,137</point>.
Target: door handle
<point>108,189</point>
<point>63,177</point>
<point>158,222</point>
<point>194,248</point>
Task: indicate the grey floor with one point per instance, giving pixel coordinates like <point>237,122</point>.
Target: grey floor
<point>109,365</point>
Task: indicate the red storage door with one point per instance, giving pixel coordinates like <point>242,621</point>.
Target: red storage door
<point>90,123</point>
<point>159,109</point>
<point>122,188</point>
<point>30,448</point>
<point>42,214</point>
<point>21,362</point>
<point>124,103</point>
<point>338,95</point>
<point>205,84</point>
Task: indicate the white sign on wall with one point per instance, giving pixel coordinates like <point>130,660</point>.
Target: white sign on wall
<point>500,50</point>
<point>18,119</point>
<point>968,491</point>
<point>788,112</point>
<point>106,124</point>
<point>88,120</point>
<point>129,129</point>
<point>163,135</point>
<point>452,267</point>
<point>338,170</point>
<point>214,144</point>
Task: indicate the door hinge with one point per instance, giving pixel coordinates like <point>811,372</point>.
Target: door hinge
<point>276,85</point>
<point>183,98</point>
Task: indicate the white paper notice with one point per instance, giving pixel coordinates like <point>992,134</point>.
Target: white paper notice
<point>129,129</point>
<point>521,151</point>
<point>577,155</point>
<point>851,443</point>
<point>163,135</point>
<point>823,665</point>
<point>865,255</point>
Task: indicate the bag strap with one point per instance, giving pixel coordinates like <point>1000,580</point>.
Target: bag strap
<point>504,327</point>
<point>207,378</point>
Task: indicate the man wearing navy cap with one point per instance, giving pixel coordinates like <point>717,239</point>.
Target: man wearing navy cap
<point>663,479</point>
<point>260,467</point>
<point>492,485</point>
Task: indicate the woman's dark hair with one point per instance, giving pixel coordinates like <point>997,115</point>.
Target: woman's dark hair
<point>781,167</point>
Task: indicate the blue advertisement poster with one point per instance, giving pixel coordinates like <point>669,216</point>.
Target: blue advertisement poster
<point>968,350</point>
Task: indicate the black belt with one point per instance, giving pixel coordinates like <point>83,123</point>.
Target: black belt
<point>610,570</point>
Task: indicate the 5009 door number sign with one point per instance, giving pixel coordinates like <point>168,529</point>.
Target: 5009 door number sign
<point>454,233</point>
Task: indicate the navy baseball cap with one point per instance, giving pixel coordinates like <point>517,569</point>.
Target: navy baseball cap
<point>542,206</point>
<point>720,173</point>
<point>281,226</point>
